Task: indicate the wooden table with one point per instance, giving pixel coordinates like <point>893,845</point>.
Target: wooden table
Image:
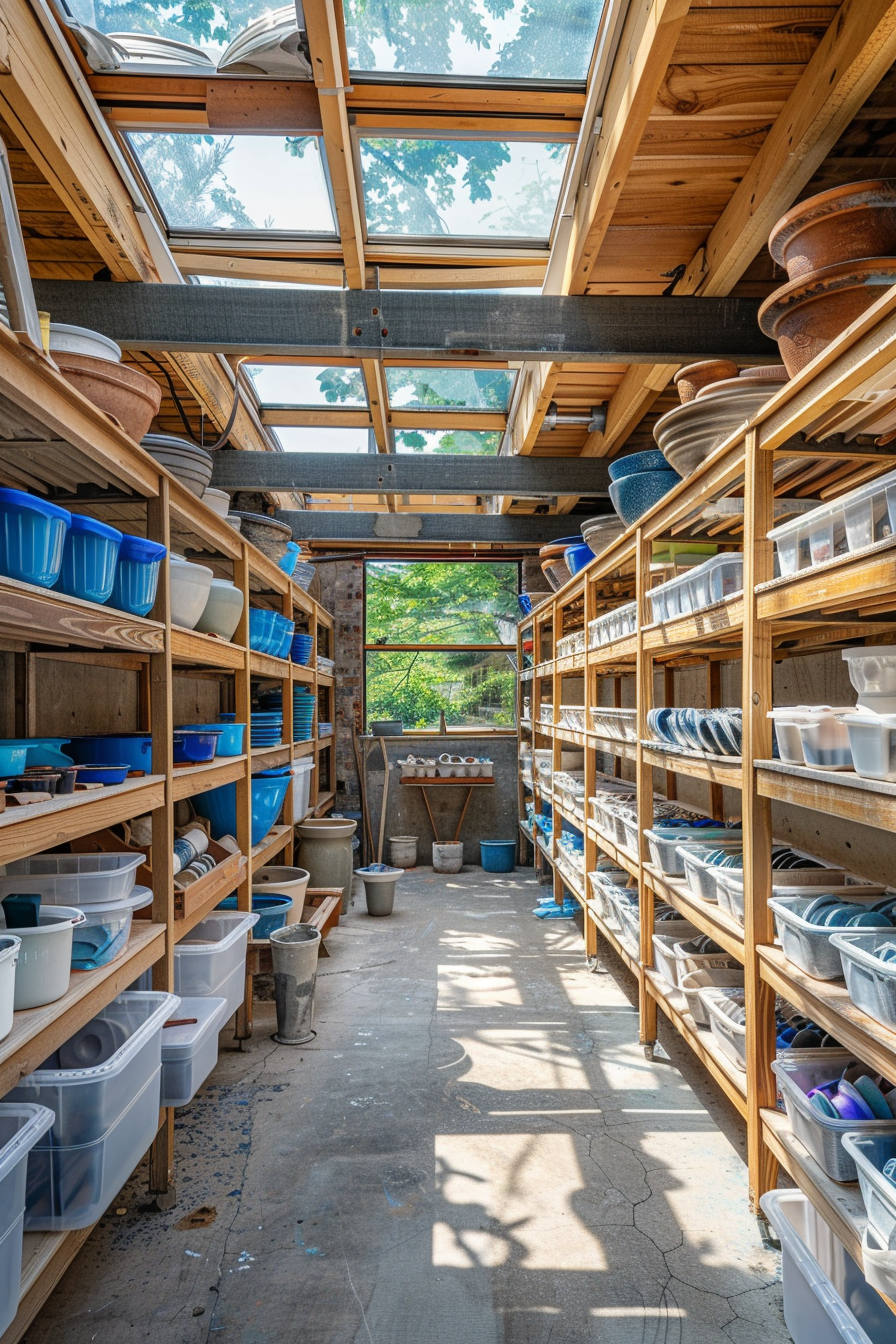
<point>468,784</point>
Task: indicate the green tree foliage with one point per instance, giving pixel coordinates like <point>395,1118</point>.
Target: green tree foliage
<point>469,689</point>
<point>475,443</point>
<point>187,172</point>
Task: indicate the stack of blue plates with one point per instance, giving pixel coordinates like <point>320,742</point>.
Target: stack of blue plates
<point>302,714</point>
<point>266,729</point>
<point>302,646</point>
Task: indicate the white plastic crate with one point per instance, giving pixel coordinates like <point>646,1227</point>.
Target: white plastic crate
<point>870,982</point>
<point>820,1134</point>
<point>663,845</point>
<point>692,983</point>
<point>871,1152</point>
<point>190,1052</point>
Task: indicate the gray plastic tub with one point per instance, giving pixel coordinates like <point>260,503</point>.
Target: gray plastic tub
<point>664,845</point>
<point>808,945</point>
<point>817,1133</point>
<point>702,876</point>
<point>871,1152</point>
<point>871,982</point>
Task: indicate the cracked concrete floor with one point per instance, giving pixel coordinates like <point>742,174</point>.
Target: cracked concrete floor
<point>474,1150</point>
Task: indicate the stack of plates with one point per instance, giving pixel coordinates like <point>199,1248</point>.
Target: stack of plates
<point>302,648</point>
<point>302,714</point>
<point>266,729</point>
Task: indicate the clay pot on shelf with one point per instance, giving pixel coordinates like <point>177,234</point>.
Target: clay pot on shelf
<point>805,315</point>
<point>690,379</point>
<point>131,397</point>
<point>847,223</point>
<point>748,380</point>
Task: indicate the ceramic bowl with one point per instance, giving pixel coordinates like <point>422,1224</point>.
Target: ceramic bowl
<point>855,220</point>
<point>222,611</point>
<point>599,533</point>
<point>577,557</point>
<point>688,434</point>
<point>69,340</point>
<point>633,463</point>
<point>190,585</point>
<point>127,394</point>
<point>632,496</point>
<point>806,314</point>
<point>270,535</point>
<point>191,464</point>
<point>217,500</point>
<point>690,379</point>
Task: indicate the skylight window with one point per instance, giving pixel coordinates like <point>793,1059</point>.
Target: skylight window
<point>473,442</point>
<point>293,439</point>
<point>461,188</point>
<point>306,385</point>
<point>514,40</point>
<point>246,183</point>
<point>459,389</point>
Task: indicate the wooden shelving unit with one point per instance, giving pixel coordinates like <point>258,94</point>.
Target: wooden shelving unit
<point>847,600</point>
<point>39,627</point>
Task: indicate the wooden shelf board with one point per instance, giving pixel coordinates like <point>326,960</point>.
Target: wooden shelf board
<point>717,923</point>
<point>38,826</point>
<point>611,746</point>
<point>268,758</point>
<point>305,748</point>
<point>192,649</point>
<point>573,662</point>
<point>325,679</point>
<point>828,1003</point>
<point>575,881</point>
<point>729,1078</point>
<point>190,780</point>
<point>324,800</point>
<point>37,1032</point>
<point>48,617</point>
<point>618,651</point>
<point>840,584</point>
<point>304,674</point>
<point>574,735</point>
<point>276,840</point>
<point>190,516</point>
<point>713,769</point>
<point>715,622</point>
<point>263,665</point>
<point>841,793</point>
<point>437,783</point>
<point>45,1258</point>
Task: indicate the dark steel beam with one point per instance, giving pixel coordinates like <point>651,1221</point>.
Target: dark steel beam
<point>410,474</point>
<point>530,530</point>
<point>453,326</point>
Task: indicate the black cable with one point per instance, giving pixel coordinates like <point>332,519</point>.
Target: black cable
<point>175,398</point>
<point>233,410</point>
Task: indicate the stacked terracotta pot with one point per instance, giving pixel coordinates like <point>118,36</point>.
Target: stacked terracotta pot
<point>839,251</point>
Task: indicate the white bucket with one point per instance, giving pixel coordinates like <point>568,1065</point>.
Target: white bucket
<point>45,957</point>
<point>9,955</point>
<point>403,851</point>
<point>447,856</point>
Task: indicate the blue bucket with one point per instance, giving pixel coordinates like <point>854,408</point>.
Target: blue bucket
<point>497,856</point>
<point>273,912</point>
<point>32,537</point>
<point>89,559</point>
<point>137,575</point>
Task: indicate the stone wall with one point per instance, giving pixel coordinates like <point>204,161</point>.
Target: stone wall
<point>341,591</point>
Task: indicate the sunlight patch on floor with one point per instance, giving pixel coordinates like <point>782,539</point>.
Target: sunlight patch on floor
<point>466,986</point>
<point>510,1058</point>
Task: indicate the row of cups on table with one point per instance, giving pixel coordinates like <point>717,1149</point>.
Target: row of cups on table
<point>447,767</point>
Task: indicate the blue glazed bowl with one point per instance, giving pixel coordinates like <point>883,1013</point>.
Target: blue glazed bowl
<point>263,634</point>
<point>102,774</point>
<point>193,746</point>
<point>131,749</point>
<point>268,790</point>
<point>651,460</point>
<point>230,735</point>
<point>632,496</point>
<point>577,557</point>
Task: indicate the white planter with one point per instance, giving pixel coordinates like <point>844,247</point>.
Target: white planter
<point>190,585</point>
<point>217,500</point>
<point>45,957</point>
<point>68,340</point>
<point>222,611</point>
<point>283,881</point>
<point>9,955</point>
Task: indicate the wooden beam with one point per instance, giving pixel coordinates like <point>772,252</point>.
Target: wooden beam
<point>326,40</point>
<point>639,389</point>
<point>408,528</point>
<point>648,41</point>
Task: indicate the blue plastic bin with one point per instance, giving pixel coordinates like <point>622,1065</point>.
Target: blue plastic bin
<point>32,537</point>
<point>219,805</point>
<point>193,746</point>
<point>231,736</point>
<point>288,563</point>
<point>497,856</point>
<point>89,559</point>
<point>137,575</point>
<point>133,749</point>
<point>272,912</point>
<point>577,557</point>
<point>262,629</point>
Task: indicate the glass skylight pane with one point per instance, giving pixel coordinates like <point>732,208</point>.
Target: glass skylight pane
<point>461,389</point>
<point>259,182</point>
<point>302,440</point>
<point>461,188</point>
<point>306,385</point>
<point>513,39</point>
<point>236,282</point>
<point>475,442</point>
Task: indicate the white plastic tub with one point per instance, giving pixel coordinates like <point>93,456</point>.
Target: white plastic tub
<point>870,982</point>
<point>689,959</point>
<point>730,1035</point>
<point>102,936</point>
<point>73,879</point>
<point>871,1152</point>
<point>694,981</point>
<point>45,957</point>
<point>718,578</point>
<point>820,1134</point>
<point>210,963</point>
<point>664,958</point>
<point>673,598</point>
<point>785,882</point>
<point>21,1126</point>
<point>9,955</point>
<point>787,732</point>
<point>701,876</point>
<point>824,737</point>
<point>664,844</point>
<point>870,512</point>
<point>872,741</point>
<point>298,798</point>
<point>620,725</point>
<point>809,945</point>
<point>811,538</point>
<point>190,1052</point>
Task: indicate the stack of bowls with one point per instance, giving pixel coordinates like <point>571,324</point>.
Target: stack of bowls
<point>189,463</point>
<point>599,533</point>
<point>710,412</point>
<point>266,729</point>
<point>92,363</point>
<point>839,251</point>
<point>553,560</point>
<point>270,632</point>
<point>302,714</point>
<point>302,648</point>
<point>639,481</point>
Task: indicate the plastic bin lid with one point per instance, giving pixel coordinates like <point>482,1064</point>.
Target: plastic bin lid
<point>182,1042</point>
<point>138,548</point>
<point>31,1121</point>
<point>20,499</point>
<point>162,1006</point>
<point>82,523</point>
<point>221,930</point>
<point>138,899</point>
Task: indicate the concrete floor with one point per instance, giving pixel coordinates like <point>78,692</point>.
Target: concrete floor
<point>473,1151</point>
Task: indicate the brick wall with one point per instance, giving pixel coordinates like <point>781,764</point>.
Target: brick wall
<point>342,593</point>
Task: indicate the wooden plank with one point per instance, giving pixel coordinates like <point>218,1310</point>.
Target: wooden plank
<point>839,793</point>
<point>277,838</point>
<point>710,918</point>
<point>722,618</point>
<point>191,780</point>
<point>193,649</point>
<point>844,584</point>
<point>713,769</point>
<point>745,34</point>
<point>724,1073</point>
<point>39,826</point>
<point>33,613</point>
<point>45,1258</point>
<point>37,1032</point>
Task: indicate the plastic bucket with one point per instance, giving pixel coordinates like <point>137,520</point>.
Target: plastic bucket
<point>403,851</point>
<point>137,575</point>
<point>498,856</point>
<point>448,856</point>
<point>89,559</point>
<point>45,957</point>
<point>9,955</point>
<point>272,909</point>
<point>294,953</point>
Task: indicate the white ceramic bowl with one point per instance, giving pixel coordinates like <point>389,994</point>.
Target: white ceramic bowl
<point>67,340</point>
<point>190,585</point>
<point>217,500</point>
<point>688,434</point>
<point>222,611</point>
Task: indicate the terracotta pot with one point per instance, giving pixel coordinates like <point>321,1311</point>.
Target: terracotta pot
<point>689,380</point>
<point>847,223</point>
<point>805,315</point>
<point>756,383</point>
<point>132,397</point>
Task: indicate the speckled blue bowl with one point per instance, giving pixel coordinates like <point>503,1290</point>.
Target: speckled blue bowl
<point>651,460</point>
<point>631,496</point>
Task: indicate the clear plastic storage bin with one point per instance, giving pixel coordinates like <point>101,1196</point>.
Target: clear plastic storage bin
<point>20,1129</point>
<point>871,1153</point>
<point>717,978</point>
<point>720,577</point>
<point>870,982</point>
<point>702,876</point>
<point>872,741</point>
<point>809,945</point>
<point>824,737</point>
<point>827,1299</point>
<point>870,512</point>
<point>664,845</point>
<point>730,1035</point>
<point>820,1135</point>
<point>211,962</point>
<point>787,734</point>
<point>73,879</point>
<point>620,725</point>
<point>190,1052</point>
<point>811,538</point>
<point>673,598</point>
